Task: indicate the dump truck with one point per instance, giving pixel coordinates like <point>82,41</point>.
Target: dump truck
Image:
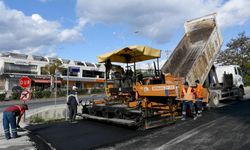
<point>194,57</point>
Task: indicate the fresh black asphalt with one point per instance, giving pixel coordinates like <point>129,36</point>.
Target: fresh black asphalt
<point>82,135</point>
<point>227,127</point>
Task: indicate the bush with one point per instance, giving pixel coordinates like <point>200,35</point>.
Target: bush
<point>82,91</point>
<point>15,96</point>
<point>247,80</point>
<point>37,94</point>
<point>96,91</point>
<point>61,93</point>
<point>46,94</point>
<point>2,96</point>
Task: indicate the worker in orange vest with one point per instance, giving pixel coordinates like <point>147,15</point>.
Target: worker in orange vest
<point>188,95</point>
<point>199,97</point>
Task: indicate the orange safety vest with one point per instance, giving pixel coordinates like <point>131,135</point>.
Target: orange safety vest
<point>199,91</point>
<point>188,95</point>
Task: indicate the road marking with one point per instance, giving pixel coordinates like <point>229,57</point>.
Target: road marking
<point>189,134</point>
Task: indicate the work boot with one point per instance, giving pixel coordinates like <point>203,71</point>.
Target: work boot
<point>74,122</point>
<point>199,115</point>
<point>17,136</point>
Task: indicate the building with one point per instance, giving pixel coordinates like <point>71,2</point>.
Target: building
<point>13,66</point>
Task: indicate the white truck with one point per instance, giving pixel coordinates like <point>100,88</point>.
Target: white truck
<point>225,82</point>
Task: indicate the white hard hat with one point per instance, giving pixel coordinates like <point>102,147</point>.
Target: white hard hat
<point>74,87</point>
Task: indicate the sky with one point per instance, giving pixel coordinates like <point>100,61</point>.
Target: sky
<point>84,29</point>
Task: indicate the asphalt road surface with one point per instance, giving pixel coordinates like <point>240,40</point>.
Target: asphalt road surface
<point>227,127</point>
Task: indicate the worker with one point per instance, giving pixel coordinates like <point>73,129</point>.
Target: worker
<point>188,95</point>
<point>9,119</point>
<point>199,97</point>
<point>72,102</point>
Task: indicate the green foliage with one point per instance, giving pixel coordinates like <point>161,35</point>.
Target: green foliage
<point>61,93</point>
<point>238,53</point>
<point>82,91</point>
<point>51,68</point>
<point>15,96</point>
<point>46,94</point>
<point>97,91</point>
<point>37,94</point>
<point>41,94</point>
<point>2,96</point>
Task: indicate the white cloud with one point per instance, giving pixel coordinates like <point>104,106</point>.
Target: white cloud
<point>19,32</point>
<point>234,12</point>
<point>159,20</point>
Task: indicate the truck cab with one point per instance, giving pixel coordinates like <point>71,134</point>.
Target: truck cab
<point>225,82</point>
<point>236,72</point>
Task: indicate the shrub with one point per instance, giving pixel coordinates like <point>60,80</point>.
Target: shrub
<point>15,96</point>
<point>46,94</point>
<point>96,91</point>
<point>82,91</point>
<point>61,93</point>
<point>2,96</point>
<point>37,94</point>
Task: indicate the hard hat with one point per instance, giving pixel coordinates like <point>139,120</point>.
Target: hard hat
<point>74,88</point>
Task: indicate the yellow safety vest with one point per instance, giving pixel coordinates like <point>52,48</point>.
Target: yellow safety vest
<point>199,91</point>
<point>188,95</point>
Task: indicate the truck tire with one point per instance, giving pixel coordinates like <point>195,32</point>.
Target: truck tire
<point>214,100</point>
<point>240,96</point>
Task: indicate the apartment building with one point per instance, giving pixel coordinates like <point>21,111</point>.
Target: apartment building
<point>14,65</point>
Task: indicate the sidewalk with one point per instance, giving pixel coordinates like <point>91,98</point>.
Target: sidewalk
<point>21,143</point>
<point>32,101</point>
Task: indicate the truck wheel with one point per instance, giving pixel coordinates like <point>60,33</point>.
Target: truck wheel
<point>214,100</point>
<point>240,94</point>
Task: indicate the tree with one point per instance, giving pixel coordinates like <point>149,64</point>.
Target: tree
<point>237,53</point>
<point>51,69</point>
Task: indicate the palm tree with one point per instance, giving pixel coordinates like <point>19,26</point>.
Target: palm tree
<point>51,69</point>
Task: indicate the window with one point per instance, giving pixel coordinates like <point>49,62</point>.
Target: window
<point>98,65</point>
<point>39,58</point>
<point>18,68</point>
<point>53,60</point>
<point>79,63</point>
<point>65,61</point>
<point>92,74</point>
<point>89,64</point>
<point>235,70</point>
<point>64,71</point>
<point>239,71</point>
<point>19,56</point>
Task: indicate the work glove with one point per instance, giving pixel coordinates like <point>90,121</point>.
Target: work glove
<point>18,126</point>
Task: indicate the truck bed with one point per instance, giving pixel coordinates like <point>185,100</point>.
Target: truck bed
<point>193,57</point>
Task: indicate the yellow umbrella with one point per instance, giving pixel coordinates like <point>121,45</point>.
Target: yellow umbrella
<point>130,54</point>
